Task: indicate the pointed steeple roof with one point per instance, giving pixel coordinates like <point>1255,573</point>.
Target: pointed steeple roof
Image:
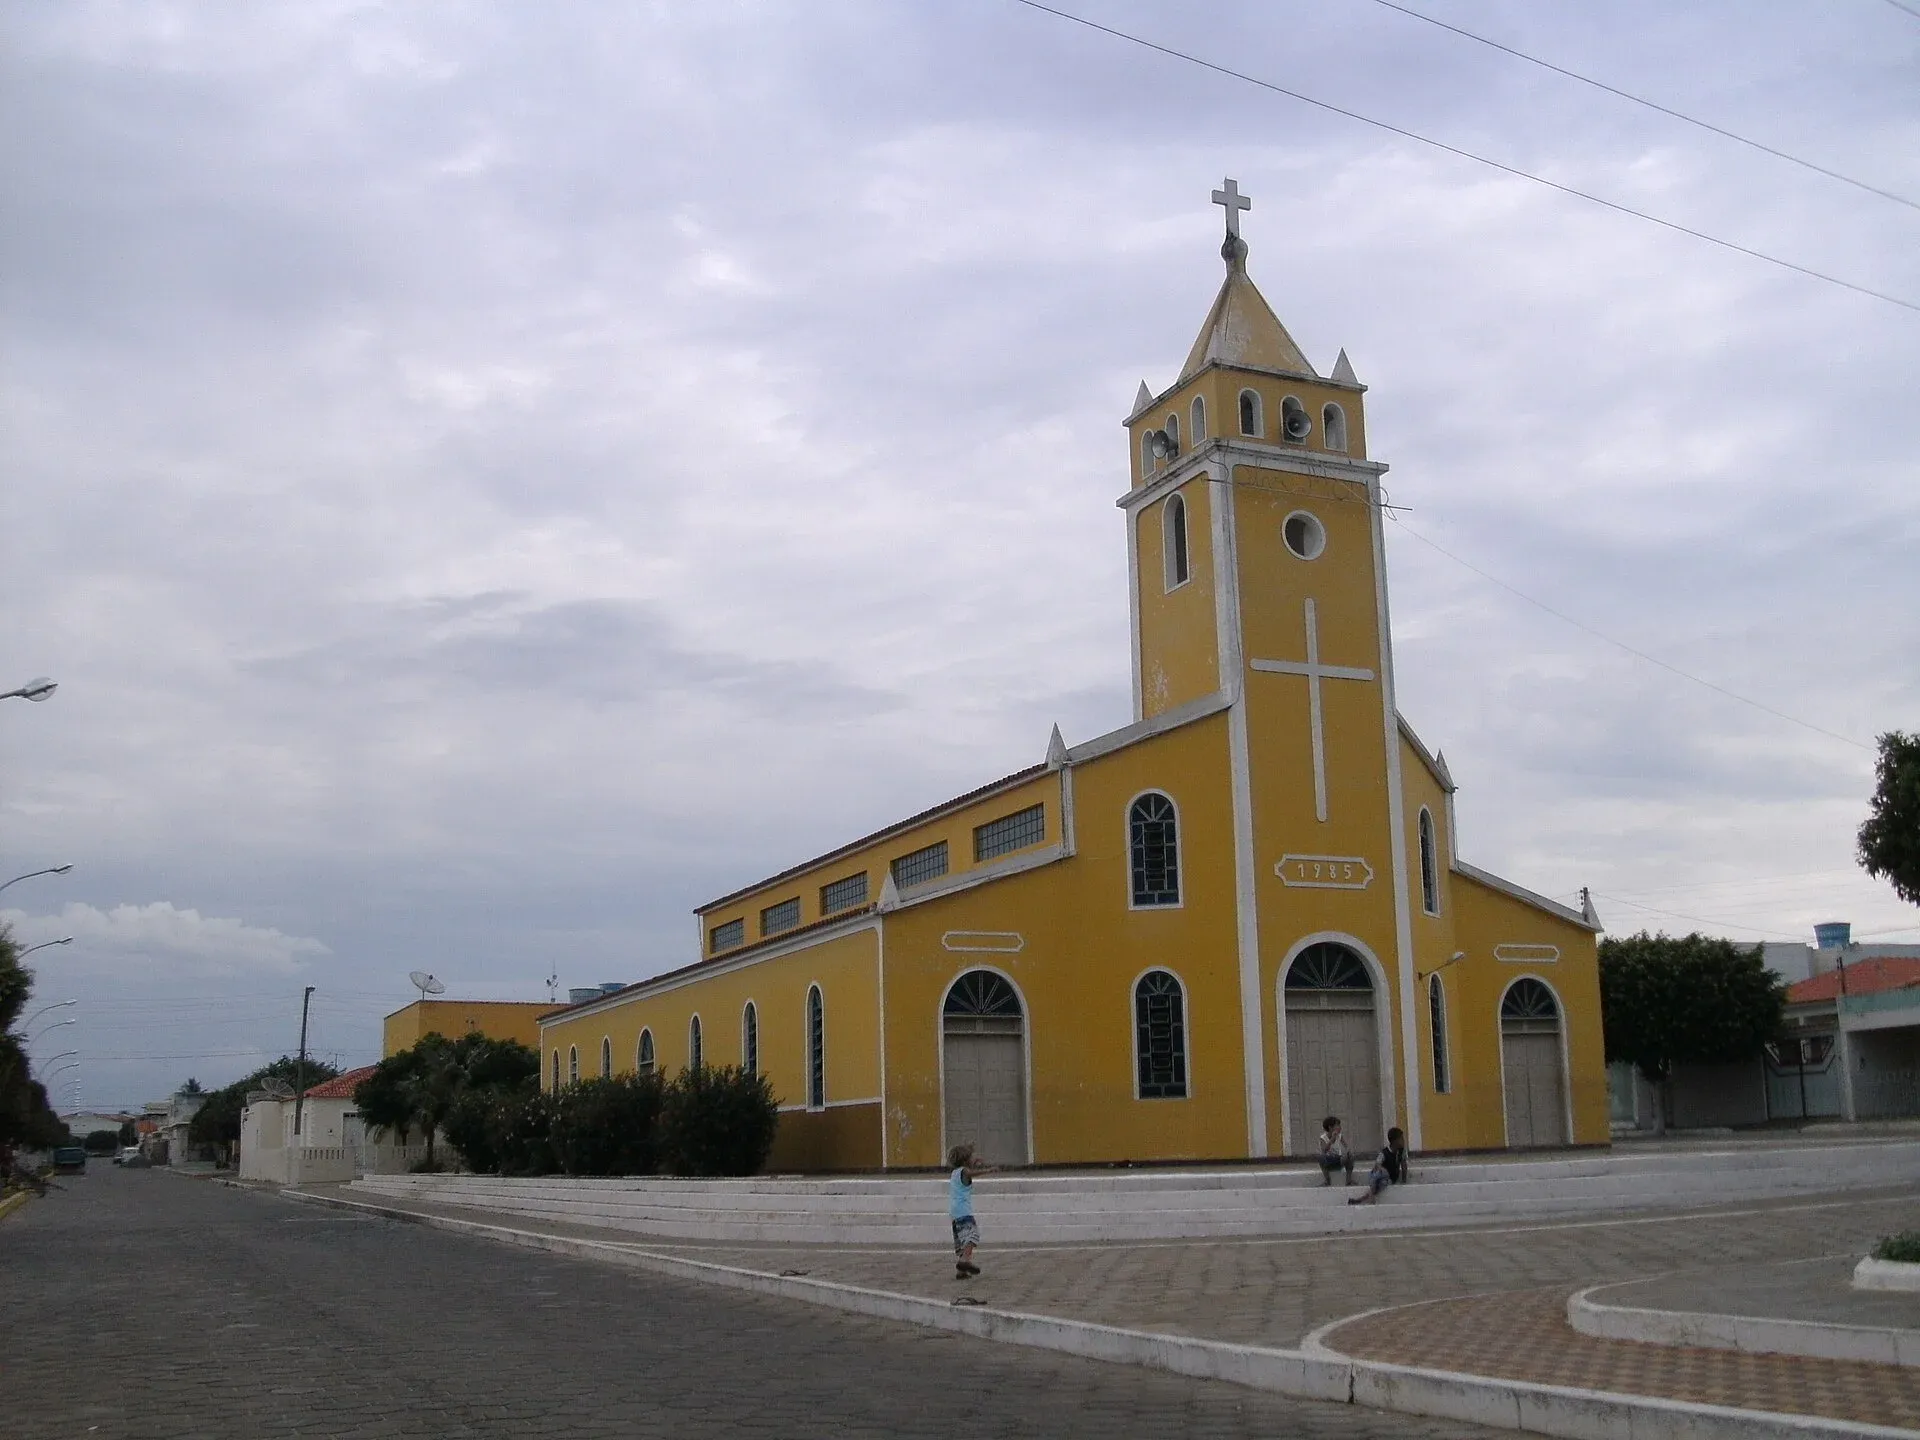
<point>1241,328</point>
<point>1343,370</point>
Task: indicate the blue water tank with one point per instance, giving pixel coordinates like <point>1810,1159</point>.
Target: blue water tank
<point>1833,935</point>
<point>607,987</point>
<point>580,994</point>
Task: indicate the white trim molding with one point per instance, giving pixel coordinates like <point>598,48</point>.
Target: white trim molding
<point>1527,954</point>
<point>1524,895</point>
<point>986,942</point>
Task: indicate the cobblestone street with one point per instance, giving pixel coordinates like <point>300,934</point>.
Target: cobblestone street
<point>142,1304</point>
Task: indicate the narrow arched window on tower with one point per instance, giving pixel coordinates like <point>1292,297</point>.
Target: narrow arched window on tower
<point>1199,425</point>
<point>695,1059</point>
<point>1146,454</point>
<point>1249,412</point>
<point>1429,865</point>
<point>1153,843</point>
<point>1175,540</point>
<point>1173,435</point>
<point>1333,427</point>
<point>816,1050</point>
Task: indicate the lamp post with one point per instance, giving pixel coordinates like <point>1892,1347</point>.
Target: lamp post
<point>44,1029</point>
<point>38,688</point>
<point>50,870</point>
<point>56,1005</point>
<point>51,1058</point>
<point>68,940</point>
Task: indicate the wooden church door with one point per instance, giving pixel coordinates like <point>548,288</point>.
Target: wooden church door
<point>1333,1050</point>
<point>983,1040</point>
<point>1530,1065</point>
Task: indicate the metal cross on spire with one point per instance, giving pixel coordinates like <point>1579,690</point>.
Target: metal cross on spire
<point>1234,202</point>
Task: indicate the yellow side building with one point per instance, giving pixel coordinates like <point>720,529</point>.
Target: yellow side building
<point>498,1019</point>
<point>1193,937</point>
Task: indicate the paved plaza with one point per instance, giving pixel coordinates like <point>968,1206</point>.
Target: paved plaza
<point>142,1304</point>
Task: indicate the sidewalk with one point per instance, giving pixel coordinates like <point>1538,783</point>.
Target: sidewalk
<point>1501,1290</point>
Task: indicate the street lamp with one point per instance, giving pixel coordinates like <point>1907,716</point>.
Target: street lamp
<point>38,688</point>
<point>70,1020</point>
<point>56,1005</point>
<point>53,870</point>
<point>51,1058</point>
<point>43,945</point>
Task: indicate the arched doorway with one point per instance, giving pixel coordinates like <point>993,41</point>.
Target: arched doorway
<point>1333,1048</point>
<point>1532,1069</point>
<point>984,1068</point>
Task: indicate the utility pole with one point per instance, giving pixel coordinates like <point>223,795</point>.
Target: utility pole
<point>300,1067</point>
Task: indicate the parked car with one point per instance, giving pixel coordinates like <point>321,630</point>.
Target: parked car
<point>128,1155</point>
<point>70,1160</point>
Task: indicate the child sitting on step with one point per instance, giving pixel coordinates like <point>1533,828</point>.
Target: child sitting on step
<point>1392,1167</point>
<point>1335,1154</point>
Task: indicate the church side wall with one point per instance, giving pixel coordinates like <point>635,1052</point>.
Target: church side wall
<point>1488,919</point>
<point>1444,1118</point>
<point>845,968</point>
<point>1068,938</point>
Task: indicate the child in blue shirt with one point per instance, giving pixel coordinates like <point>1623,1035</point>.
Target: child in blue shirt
<point>966,1231</point>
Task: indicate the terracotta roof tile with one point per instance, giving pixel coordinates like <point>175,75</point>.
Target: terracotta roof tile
<point>341,1087</point>
<point>1864,977</point>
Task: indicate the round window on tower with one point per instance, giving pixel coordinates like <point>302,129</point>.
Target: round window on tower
<point>1304,534</point>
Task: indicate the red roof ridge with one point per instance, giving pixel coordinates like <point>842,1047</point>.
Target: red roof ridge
<point>341,1087</point>
<point>1871,976</point>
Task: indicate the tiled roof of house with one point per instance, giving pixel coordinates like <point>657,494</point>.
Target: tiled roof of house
<point>1864,977</point>
<point>341,1087</point>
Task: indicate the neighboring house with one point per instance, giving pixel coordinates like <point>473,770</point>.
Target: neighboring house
<point>1850,1051</point>
<point>181,1109</point>
<point>331,1143</point>
<point>84,1122</point>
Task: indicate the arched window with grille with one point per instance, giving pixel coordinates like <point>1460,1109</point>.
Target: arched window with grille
<point>816,1049</point>
<point>1429,865</point>
<point>750,1039</point>
<point>1437,1023</point>
<point>1174,540</point>
<point>643,1057</point>
<point>1160,1036</point>
<point>573,1064</point>
<point>1153,846</point>
<point>694,1058</point>
<point>606,1057</point>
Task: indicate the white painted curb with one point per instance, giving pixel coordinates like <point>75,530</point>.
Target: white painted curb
<point>1318,1375</point>
<point>1751,1334</point>
<point>1871,1274</point>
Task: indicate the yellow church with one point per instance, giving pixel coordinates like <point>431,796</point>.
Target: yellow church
<point>1196,936</point>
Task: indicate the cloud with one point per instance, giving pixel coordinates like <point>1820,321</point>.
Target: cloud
<point>159,939</point>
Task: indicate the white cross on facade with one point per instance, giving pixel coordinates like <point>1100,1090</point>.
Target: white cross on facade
<point>1235,202</point>
<point>1315,673</point>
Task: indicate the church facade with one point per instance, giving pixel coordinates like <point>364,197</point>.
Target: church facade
<point>1191,938</point>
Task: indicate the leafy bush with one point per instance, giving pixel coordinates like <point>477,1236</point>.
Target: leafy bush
<point>1904,1247</point>
<point>102,1142</point>
<point>608,1126</point>
<point>522,1134</point>
<point>717,1121</point>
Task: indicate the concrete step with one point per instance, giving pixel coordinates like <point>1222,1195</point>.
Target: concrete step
<point>1129,1205</point>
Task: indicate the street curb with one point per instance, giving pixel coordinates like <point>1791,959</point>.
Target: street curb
<point>1749,1334</point>
<point>13,1202</point>
<point>1506,1404</point>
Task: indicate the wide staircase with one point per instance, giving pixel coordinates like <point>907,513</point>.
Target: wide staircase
<point>1090,1206</point>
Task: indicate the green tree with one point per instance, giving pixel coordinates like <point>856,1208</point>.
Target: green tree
<point>129,1133</point>
<point>26,1118</point>
<point>608,1126</point>
<point>217,1121</point>
<point>717,1120</point>
<point>1890,837</point>
<point>421,1087</point>
<point>1666,1002</point>
<point>101,1142</point>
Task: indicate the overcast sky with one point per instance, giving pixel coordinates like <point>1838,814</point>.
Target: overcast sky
<point>490,477</point>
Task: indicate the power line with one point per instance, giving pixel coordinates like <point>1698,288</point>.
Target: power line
<point>1502,166</point>
<point>1621,644</point>
<point>1708,125</point>
<point>1695,919</point>
<point>1904,9</point>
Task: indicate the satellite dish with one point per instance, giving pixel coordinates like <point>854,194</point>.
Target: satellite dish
<point>426,984</point>
<point>275,1086</point>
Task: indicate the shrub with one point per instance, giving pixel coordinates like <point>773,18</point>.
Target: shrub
<point>608,1126</point>
<point>1904,1247</point>
<point>102,1142</point>
<point>717,1121</point>
<point>523,1135</point>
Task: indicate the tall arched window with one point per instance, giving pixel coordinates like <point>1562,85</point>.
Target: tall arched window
<point>606,1057</point>
<point>1429,865</point>
<point>1173,433</point>
<point>556,1069</point>
<point>694,1058</point>
<point>1250,412</point>
<point>750,1039</point>
<point>1333,427</point>
<point>643,1057</point>
<point>1153,844</point>
<point>816,1049</point>
<point>573,1064</point>
<point>1437,1022</point>
<point>1160,1036</point>
<point>1146,453</point>
<point>1174,540</point>
<point>1199,412</point>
